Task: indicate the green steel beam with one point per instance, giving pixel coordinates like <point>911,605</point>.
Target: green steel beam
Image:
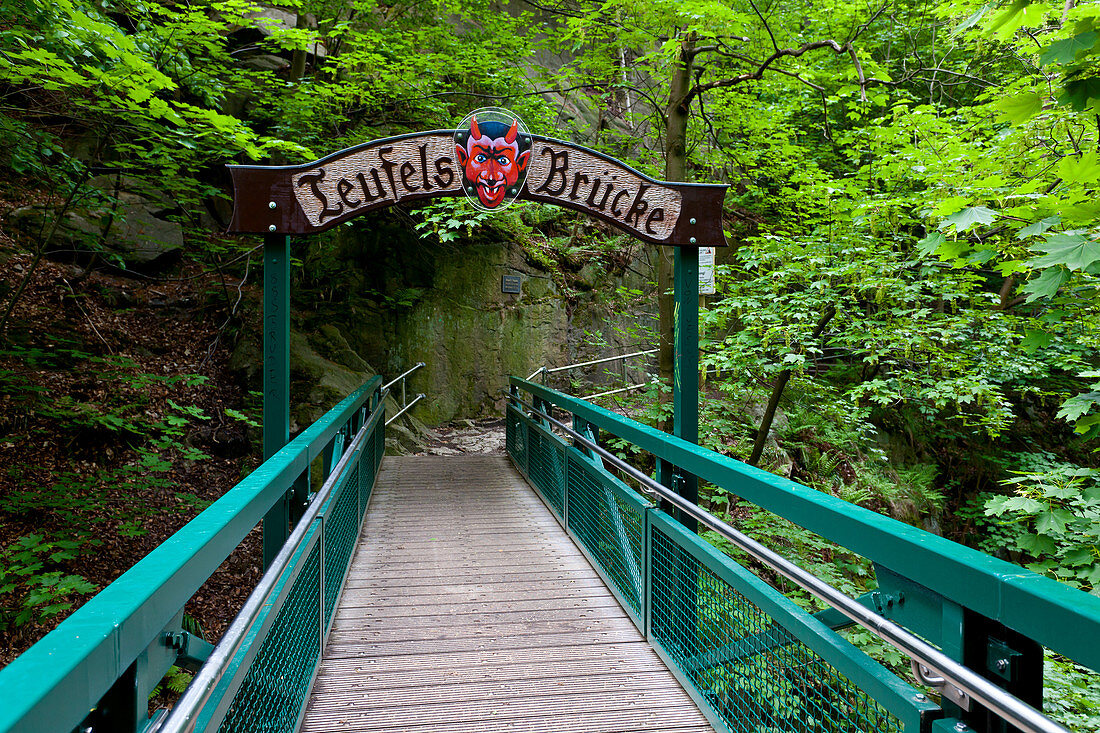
<point>874,600</point>
<point>276,378</point>
<point>53,685</point>
<point>1058,617</point>
<point>685,383</point>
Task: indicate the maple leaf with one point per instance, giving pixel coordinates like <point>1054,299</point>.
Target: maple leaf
<point>1075,251</point>
<point>968,217</point>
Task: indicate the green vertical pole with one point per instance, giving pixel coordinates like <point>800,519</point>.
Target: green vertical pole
<point>685,383</point>
<point>276,378</point>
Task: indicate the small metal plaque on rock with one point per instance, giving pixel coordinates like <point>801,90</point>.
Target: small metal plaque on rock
<point>510,284</point>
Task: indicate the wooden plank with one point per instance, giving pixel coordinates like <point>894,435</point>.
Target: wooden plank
<point>639,687</point>
<point>490,564</point>
<point>479,591</point>
<point>485,619</point>
<point>629,671</point>
<point>468,610</point>
<point>455,610</point>
<point>343,647</point>
<point>369,598</point>
<point>614,657</point>
<point>463,583</point>
<point>400,553</point>
<point>380,578</point>
<point>383,630</point>
<point>531,715</point>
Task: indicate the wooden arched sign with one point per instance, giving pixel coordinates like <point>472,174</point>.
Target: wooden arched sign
<point>315,196</point>
<point>493,160</point>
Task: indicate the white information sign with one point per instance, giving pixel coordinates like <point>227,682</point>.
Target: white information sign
<point>706,271</point>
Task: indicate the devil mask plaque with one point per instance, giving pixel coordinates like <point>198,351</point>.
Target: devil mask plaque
<point>492,149</point>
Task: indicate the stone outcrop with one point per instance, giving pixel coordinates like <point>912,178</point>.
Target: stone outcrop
<point>455,317</point>
<point>126,221</point>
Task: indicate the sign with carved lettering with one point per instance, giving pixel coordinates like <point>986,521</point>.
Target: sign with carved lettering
<point>493,164</point>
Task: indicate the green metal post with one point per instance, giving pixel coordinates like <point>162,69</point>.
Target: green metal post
<point>685,425</point>
<point>276,378</point>
<point>299,497</point>
<point>1007,659</point>
<point>685,386</point>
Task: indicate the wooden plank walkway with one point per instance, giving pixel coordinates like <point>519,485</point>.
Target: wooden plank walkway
<point>468,609</point>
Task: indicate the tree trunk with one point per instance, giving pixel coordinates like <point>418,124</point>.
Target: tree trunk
<point>298,57</point>
<point>675,170</point>
<point>777,392</point>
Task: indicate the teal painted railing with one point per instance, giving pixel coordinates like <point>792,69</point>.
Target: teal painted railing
<point>752,659</point>
<point>96,669</point>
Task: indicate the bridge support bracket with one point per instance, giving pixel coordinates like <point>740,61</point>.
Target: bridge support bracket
<point>191,651</point>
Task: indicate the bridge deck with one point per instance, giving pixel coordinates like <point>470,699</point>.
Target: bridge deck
<point>467,608</point>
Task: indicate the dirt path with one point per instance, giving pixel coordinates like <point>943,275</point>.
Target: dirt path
<point>484,436</point>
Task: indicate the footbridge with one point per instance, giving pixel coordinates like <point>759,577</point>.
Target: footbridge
<point>553,589</point>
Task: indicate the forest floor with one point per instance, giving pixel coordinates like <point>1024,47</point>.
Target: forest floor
<point>104,451</point>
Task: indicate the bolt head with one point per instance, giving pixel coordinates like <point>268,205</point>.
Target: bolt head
<point>921,697</point>
<point>692,220</point>
<point>961,727</point>
<point>1002,665</point>
<point>692,240</point>
<point>272,228</point>
<point>272,205</point>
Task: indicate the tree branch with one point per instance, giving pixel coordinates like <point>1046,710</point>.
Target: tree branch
<point>767,27</point>
<point>764,66</point>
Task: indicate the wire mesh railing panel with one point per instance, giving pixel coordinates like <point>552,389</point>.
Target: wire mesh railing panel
<point>546,467</point>
<point>367,469</point>
<point>755,675</point>
<point>512,426</point>
<point>341,531</point>
<point>275,688</point>
<point>379,447</point>
<point>520,444</point>
<point>610,523</point>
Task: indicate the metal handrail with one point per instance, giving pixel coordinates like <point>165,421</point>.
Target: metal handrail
<point>405,404</point>
<point>400,377</point>
<point>620,390</point>
<point>184,715</point>
<point>406,408</point>
<point>604,360</point>
<point>545,370</point>
<point>1009,707</point>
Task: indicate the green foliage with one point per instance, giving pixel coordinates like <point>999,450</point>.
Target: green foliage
<point>175,681</point>
<point>31,592</point>
<point>1055,518</point>
<point>1071,693</point>
<point>110,416</point>
<point>238,415</point>
<point>448,219</point>
<point>1084,409</point>
<point>837,566</point>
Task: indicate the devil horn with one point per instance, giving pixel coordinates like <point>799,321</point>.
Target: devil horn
<point>512,131</point>
<point>474,130</point>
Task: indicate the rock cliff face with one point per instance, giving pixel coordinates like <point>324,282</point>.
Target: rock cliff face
<point>408,300</point>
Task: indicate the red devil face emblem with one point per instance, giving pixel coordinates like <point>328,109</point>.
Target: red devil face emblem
<point>494,158</point>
